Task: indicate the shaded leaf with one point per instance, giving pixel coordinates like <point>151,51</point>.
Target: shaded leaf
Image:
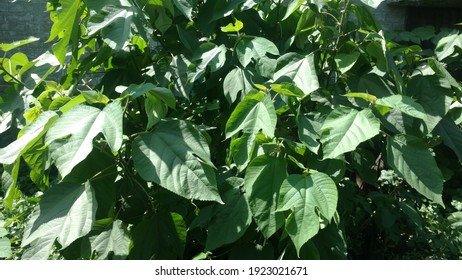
<point>227,223</point>
<point>451,134</point>
<point>263,179</point>
<point>414,162</point>
<point>346,61</point>
<point>30,134</point>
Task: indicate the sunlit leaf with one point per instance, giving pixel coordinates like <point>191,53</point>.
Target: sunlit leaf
<point>176,156</point>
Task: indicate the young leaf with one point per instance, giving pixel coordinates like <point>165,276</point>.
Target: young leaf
<point>366,96</point>
<point>66,212</point>
<point>256,112</point>
<point>305,196</point>
<point>70,151</point>
<point>233,27</point>
<point>65,22</point>
<point>176,156</point>
<point>345,128</point>
<point>17,44</point>
<point>299,69</point>
<point>263,179</point>
<point>414,162</point>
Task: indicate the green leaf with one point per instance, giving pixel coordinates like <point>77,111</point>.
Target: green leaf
<point>256,112</point>
<point>403,104</point>
<point>307,197</point>
<point>256,48</point>
<point>287,89</point>
<point>346,61</point>
<point>162,93</point>
<point>9,183</point>
<point>17,44</point>
<point>39,249</point>
<point>10,103</point>
<point>186,7</point>
<point>179,71</point>
<point>65,25</point>
<point>94,97</point>
<point>115,24</point>
<point>435,96</point>
<point>66,212</point>
<point>5,248</point>
<point>366,96</point>
<point>209,55</point>
<point>297,69</point>
<point>227,223</point>
<point>292,6</point>
<point>345,128</point>
<point>30,134</point>
<point>176,156</point>
<point>447,45</point>
<point>158,238</point>
<point>155,109</point>
<point>5,245</point>
<point>233,27</point>
<point>451,134</point>
<point>308,132</point>
<point>68,152</point>
<point>263,179</point>
<point>113,242</point>
<point>243,149</point>
<point>365,18</point>
<point>414,162</point>
<point>237,81</point>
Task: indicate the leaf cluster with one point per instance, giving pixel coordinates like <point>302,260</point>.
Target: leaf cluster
<point>188,129</point>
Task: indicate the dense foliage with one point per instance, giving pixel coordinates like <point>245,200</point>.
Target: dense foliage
<point>230,129</point>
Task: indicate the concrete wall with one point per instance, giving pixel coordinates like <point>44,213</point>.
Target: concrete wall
<point>22,19</point>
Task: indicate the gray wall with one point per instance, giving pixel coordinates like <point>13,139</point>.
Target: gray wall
<point>22,19</point>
